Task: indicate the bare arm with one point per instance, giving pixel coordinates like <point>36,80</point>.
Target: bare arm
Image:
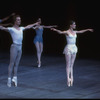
<point>50,26</point>
<point>6,18</point>
<point>4,28</point>
<point>82,31</point>
<point>58,31</point>
<point>31,25</point>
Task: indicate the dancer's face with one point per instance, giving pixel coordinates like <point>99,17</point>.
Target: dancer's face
<point>73,26</point>
<point>18,21</point>
<point>39,20</point>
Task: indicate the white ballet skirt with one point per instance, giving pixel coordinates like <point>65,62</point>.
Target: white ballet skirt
<point>71,47</point>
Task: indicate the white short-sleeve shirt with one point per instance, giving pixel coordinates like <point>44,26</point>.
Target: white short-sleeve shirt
<point>17,35</point>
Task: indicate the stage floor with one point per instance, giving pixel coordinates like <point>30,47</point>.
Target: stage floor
<point>49,81</point>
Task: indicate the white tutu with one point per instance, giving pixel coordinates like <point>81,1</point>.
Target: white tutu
<point>70,49</point>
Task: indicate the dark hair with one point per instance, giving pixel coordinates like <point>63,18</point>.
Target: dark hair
<point>39,19</point>
<point>71,22</point>
<point>14,18</point>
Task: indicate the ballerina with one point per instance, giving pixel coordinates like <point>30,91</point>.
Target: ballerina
<point>70,49</point>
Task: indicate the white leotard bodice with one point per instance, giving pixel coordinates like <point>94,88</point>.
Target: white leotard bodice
<point>71,39</point>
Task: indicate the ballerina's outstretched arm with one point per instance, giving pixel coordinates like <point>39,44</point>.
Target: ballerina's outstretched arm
<point>59,31</point>
<point>85,30</point>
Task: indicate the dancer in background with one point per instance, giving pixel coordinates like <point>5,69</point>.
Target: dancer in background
<point>70,49</point>
<point>38,40</point>
<point>16,33</point>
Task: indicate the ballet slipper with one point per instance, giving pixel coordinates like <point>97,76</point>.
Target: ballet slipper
<point>71,81</point>
<point>39,64</point>
<point>14,80</point>
<point>9,82</point>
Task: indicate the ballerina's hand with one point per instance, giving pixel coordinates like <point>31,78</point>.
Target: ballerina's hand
<point>91,30</point>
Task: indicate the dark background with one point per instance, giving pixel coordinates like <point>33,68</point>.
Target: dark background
<point>55,12</point>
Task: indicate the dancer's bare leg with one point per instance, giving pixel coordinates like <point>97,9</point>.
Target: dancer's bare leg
<point>68,64</point>
<point>41,50</point>
<point>37,44</point>
<point>73,56</point>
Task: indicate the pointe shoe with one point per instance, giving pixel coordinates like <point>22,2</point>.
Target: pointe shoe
<point>14,80</point>
<point>9,82</point>
<point>68,84</point>
<point>71,82</point>
<point>39,65</point>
